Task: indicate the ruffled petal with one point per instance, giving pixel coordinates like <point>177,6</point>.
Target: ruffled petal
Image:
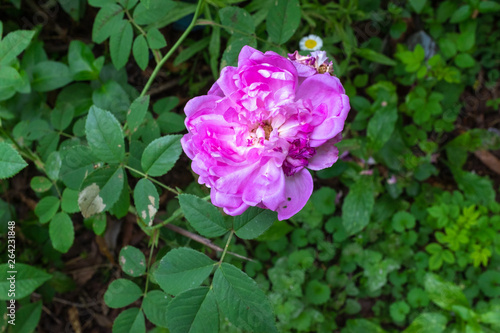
<point>298,189</point>
<point>267,186</point>
<point>326,155</point>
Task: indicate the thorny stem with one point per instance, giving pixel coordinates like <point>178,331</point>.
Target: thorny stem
<point>168,188</point>
<point>172,50</point>
<point>226,247</point>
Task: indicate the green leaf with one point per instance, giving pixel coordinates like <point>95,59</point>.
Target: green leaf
<point>100,190</point>
<point>192,311</point>
<point>155,307</point>
<point>107,22</point>
<point>47,208</point>
<point>476,188</point>
<point>130,321</point>
<point>62,233</point>
<point>13,44</point>
<point>234,46</point>
<point>381,126</point>
<point>236,20</point>
<point>40,184</point>
<point>74,8</point>
<point>182,269</point>
<point>27,318</point>
<point>444,293</point>
<point>155,39</point>
<point>488,7</point>
<point>399,310</point>
<point>430,322</point>
<point>418,5</point>
<point>121,292</point>
<point>489,282</point>
<point>461,14</point>
<point>77,162</point>
<point>10,161</point>
<point>132,261</point>
<point>161,154</point>
<point>147,201</point>
<point>317,292</point>
<point>69,201</point>
<point>50,75</point>
<point>156,11</point>
<point>137,113</point>
<point>464,60</point>
<point>358,205</point>
<point>120,44</point>
<point>214,51</point>
<point>10,80</point>
<point>253,222</point>
<point>283,20</point>
<point>203,216</point>
<point>28,278</point>
<point>81,62</point>
<point>140,51</point>
<point>105,135</point>
<point>190,51</point>
<point>374,56</point>
<point>242,301</point>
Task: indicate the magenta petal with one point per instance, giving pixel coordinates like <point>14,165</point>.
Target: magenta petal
<point>232,204</point>
<point>298,189</point>
<point>268,187</point>
<point>246,53</point>
<point>200,104</point>
<point>326,155</point>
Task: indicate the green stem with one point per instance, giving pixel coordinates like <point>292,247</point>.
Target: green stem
<point>153,180</point>
<point>138,27</point>
<point>153,240</point>
<point>172,50</point>
<point>226,247</point>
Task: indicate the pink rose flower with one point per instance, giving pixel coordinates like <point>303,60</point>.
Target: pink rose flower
<point>260,126</point>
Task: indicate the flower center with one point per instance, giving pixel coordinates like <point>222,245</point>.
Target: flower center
<point>267,130</point>
<point>310,43</point>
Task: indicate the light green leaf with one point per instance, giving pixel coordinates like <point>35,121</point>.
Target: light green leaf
<point>155,307</point>
<point>69,201</point>
<point>61,232</point>
<point>161,154</point>
<point>156,39</point>
<point>132,261</point>
<point>182,269</point>
<point>242,301</point>
<point>429,322</point>
<point>464,60</point>
<point>374,56</point>
<point>253,222</point>
<point>137,113</point>
<point>105,135</point>
<point>444,293</point>
<point>47,208</point>
<point>120,44</point>
<point>283,20</point>
<point>100,190</point>
<point>203,216</point>
<point>13,44</point>
<point>27,318</point>
<point>107,22</point>
<point>40,184</point>
<point>147,201</point>
<point>381,126</point>
<point>28,278</point>
<point>121,292</point>
<point>358,205</point>
<point>193,311</point>
<point>81,62</point>
<point>10,161</point>
<point>130,321</point>
<point>140,51</point>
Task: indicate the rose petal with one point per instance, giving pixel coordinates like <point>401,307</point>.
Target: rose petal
<point>326,155</point>
<point>298,188</point>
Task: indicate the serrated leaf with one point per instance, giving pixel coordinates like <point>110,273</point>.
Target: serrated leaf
<point>28,278</point>
<point>77,163</point>
<point>192,311</point>
<point>203,216</point>
<point>61,232</point>
<point>253,222</point>
<point>161,154</point>
<point>47,208</point>
<point>120,44</point>
<point>13,44</point>
<point>106,22</point>
<point>10,161</point>
<point>236,20</point>
<point>430,322</point>
<point>154,13</point>
<point>182,269</point>
<point>130,321</point>
<point>155,307</point>
<point>358,205</point>
<point>140,51</point>
<point>242,301</point>
<point>105,135</point>
<point>147,201</point>
<point>445,294</point>
<point>121,292</point>
<point>283,20</point>
<point>100,190</point>
<point>50,75</point>
<point>137,112</point>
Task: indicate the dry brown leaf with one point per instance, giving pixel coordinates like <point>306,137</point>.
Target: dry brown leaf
<point>74,319</point>
<point>488,159</point>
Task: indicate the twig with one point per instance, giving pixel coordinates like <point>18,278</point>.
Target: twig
<point>203,240</point>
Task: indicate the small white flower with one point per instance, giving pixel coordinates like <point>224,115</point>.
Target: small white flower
<point>311,43</point>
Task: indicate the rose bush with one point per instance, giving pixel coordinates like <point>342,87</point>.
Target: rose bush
<point>261,125</point>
